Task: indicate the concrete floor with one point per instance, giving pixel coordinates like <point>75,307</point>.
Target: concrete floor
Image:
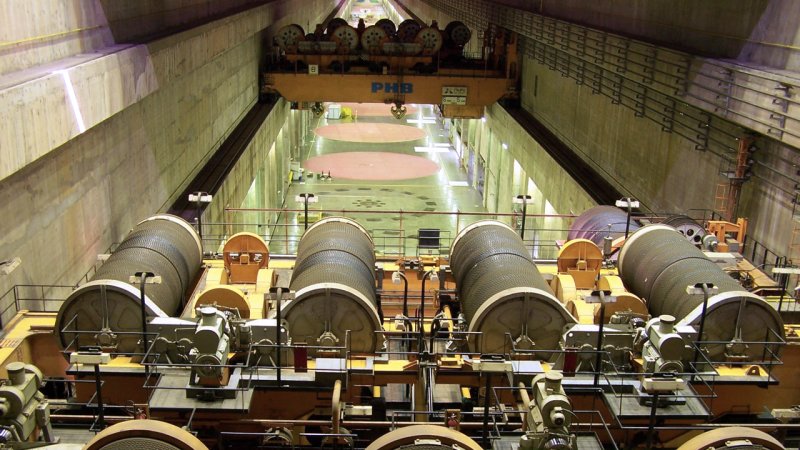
<point>392,211</point>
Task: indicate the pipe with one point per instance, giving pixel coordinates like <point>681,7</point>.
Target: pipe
<point>392,424</point>
<point>425,277</point>
<point>401,211</point>
<point>405,292</point>
<point>336,406</point>
<point>526,402</point>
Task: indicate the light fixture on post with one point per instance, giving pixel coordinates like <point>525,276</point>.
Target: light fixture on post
<point>628,203</point>
<point>601,297</point>
<point>524,200</point>
<point>397,278</point>
<point>200,198</point>
<point>93,356</point>
<point>434,276</point>
<point>305,198</point>
<point>143,278</point>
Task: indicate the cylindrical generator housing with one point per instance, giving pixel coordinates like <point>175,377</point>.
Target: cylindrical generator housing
<point>601,221</point>
<point>501,291</point>
<point>658,264</point>
<point>99,310</point>
<point>334,284</point>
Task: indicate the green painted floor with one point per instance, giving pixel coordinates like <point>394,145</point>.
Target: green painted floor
<point>393,211</point>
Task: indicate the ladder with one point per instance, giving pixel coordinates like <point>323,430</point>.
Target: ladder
<point>722,200</point>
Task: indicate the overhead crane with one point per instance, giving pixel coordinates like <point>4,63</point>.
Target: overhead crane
<point>383,63</point>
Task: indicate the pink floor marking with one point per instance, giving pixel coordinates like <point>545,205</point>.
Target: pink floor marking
<point>372,166</point>
<point>370,132</point>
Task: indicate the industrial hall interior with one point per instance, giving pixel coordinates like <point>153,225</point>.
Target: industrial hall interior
<point>400,224</point>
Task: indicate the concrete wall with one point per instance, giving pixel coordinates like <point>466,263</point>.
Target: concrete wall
<point>516,164</point>
<point>58,212</point>
<point>136,20</point>
<point>34,32</point>
<point>46,111</point>
<point>259,179</point>
<point>559,189</point>
<point>663,170</point>
<point>762,32</point>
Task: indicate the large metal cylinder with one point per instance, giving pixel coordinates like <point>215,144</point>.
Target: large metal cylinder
<point>424,437</point>
<point>657,263</point>
<point>334,284</point>
<point>164,245</point>
<point>501,291</point>
<point>144,434</point>
<point>601,221</point>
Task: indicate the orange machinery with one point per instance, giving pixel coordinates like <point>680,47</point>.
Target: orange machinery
<point>462,88</point>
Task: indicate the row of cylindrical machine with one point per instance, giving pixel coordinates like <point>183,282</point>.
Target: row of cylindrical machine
<point>157,434</point>
<point>409,38</point>
<point>503,296</point>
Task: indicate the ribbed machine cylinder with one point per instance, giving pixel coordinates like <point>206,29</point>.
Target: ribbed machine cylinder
<point>144,434</point>
<point>501,291</point>
<point>334,284</point>
<point>601,221</point>
<point>164,245</point>
<point>658,264</point>
<point>424,437</point>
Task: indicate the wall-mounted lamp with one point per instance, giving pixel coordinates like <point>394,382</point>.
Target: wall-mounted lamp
<point>8,266</point>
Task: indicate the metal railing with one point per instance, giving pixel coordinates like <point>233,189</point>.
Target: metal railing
<point>541,230</point>
<point>34,297</point>
<point>471,65</point>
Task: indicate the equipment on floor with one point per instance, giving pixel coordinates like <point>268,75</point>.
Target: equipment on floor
<point>424,437</point>
<point>24,411</point>
<point>244,255</point>
<point>732,437</point>
<point>549,415</point>
<point>688,227</point>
